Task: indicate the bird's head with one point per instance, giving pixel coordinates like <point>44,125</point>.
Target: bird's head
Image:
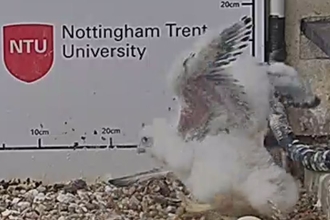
<point>146,139</point>
<point>291,88</point>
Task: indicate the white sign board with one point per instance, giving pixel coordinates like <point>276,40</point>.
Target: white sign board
<point>87,74</point>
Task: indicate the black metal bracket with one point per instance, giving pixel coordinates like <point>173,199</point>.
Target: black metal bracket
<point>317,30</point>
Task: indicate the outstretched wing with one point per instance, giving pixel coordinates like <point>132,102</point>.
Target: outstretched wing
<point>208,90</point>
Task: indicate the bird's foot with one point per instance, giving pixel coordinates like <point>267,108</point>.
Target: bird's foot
<point>192,206</point>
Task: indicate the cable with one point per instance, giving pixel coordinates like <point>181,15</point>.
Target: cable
<point>311,158</point>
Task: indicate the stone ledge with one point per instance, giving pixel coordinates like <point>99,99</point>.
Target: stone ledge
<point>317,30</point>
<point>309,51</point>
<point>319,184</point>
<point>310,122</point>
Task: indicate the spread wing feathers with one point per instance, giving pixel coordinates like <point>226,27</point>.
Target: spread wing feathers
<point>229,44</point>
<point>208,90</point>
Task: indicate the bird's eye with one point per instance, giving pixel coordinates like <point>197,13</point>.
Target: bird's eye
<point>144,140</point>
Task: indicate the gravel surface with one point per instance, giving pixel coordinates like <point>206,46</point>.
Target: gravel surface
<point>153,199</point>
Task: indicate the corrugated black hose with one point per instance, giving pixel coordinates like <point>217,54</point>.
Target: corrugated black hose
<point>312,159</point>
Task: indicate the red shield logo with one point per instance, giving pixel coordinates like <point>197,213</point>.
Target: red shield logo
<point>28,50</point>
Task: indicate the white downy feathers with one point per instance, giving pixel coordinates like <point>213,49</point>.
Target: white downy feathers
<point>216,146</point>
<point>221,164</point>
<point>215,85</point>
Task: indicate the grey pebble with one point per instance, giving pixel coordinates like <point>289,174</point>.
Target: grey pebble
<point>149,200</point>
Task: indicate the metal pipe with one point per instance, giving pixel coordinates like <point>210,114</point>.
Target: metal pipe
<point>277,8</point>
<point>312,159</point>
<point>276,43</point>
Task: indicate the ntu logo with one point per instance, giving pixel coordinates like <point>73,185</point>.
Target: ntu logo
<point>28,50</point>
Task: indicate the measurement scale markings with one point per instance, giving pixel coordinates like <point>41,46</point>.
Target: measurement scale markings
<point>229,4</point>
<point>41,132</point>
<point>75,146</point>
<point>232,4</point>
<point>247,3</point>
<point>82,147</point>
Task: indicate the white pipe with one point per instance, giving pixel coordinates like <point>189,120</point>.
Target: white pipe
<point>277,8</point>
